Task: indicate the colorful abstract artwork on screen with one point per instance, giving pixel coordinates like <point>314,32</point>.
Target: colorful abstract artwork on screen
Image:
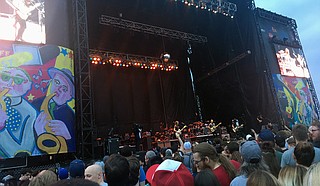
<point>295,100</point>
<point>37,100</point>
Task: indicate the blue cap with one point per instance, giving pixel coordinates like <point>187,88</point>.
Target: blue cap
<point>76,169</point>
<point>266,135</point>
<point>187,145</point>
<point>251,152</point>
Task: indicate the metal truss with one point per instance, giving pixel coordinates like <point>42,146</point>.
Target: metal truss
<point>268,75</point>
<point>276,17</point>
<point>84,104</point>
<point>149,29</point>
<point>314,97</point>
<point>126,60</point>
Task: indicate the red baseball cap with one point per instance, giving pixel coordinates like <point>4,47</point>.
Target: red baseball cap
<point>169,173</point>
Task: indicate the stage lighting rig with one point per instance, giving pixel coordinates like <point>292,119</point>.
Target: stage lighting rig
<point>96,59</point>
<point>216,6</point>
<point>164,63</point>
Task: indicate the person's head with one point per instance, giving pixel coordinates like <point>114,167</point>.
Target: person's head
<point>62,85</point>
<point>292,175</point>
<point>163,152</point>
<point>62,173</point>
<point>76,169</point>
<point>187,146</point>
<point>312,176</point>
<point>206,178</point>
<point>134,165</point>
<point>314,131</point>
<point>169,173</point>
<point>236,156</point>
<point>155,160</point>
<point>16,80</point>
<point>117,170</point>
<point>206,156</point>
<point>150,154</point>
<point>266,135</point>
<point>126,151</point>
<point>9,180</point>
<point>94,173</point>
<point>281,137</point>
<point>177,156</point>
<point>304,153</point>
<point>45,177</point>
<point>252,158</point>
<point>269,157</point>
<point>300,132</point>
<point>168,153</point>
<point>101,164</point>
<point>262,178</point>
<point>75,182</point>
<point>232,147</point>
<point>250,152</point>
<point>290,142</point>
<point>105,158</point>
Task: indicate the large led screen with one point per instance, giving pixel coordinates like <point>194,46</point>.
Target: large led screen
<point>22,20</point>
<point>291,61</point>
<point>295,100</point>
<point>37,100</point>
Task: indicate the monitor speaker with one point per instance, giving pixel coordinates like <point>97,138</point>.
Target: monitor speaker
<point>112,146</point>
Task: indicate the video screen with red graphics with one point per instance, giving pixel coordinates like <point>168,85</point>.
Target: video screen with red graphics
<point>22,20</point>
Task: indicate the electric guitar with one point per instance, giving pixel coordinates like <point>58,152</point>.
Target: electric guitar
<point>21,9</point>
<point>180,130</point>
<point>214,128</point>
<point>235,129</point>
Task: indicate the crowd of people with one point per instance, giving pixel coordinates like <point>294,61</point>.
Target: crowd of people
<point>284,158</point>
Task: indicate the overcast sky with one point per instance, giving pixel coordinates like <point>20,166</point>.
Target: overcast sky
<point>307,15</point>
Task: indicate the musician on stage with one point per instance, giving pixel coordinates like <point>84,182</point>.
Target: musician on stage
<point>23,9</point>
<point>262,122</point>
<point>137,129</point>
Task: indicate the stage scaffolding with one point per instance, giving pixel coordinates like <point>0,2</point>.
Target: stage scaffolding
<point>150,29</point>
<point>84,103</point>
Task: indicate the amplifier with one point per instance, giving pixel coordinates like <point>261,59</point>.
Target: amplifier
<point>112,146</point>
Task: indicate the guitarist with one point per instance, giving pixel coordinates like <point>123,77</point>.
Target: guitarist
<point>23,9</point>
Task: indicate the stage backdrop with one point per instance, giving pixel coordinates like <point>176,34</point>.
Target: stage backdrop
<point>295,100</point>
<point>37,100</point>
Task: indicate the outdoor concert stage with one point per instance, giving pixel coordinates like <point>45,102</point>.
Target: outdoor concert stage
<point>108,65</point>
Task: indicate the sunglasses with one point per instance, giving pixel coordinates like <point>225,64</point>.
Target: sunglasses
<point>16,79</point>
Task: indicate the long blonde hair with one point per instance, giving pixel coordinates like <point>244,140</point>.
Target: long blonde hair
<point>312,176</point>
<point>45,177</point>
<point>292,175</point>
<point>262,178</point>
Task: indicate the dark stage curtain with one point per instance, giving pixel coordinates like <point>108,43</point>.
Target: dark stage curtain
<point>123,96</point>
